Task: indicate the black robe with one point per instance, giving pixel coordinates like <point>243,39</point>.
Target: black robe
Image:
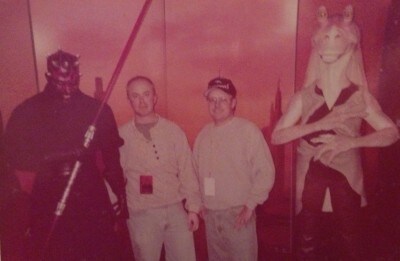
<point>38,138</point>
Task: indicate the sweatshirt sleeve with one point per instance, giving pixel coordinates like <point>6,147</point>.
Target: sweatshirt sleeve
<point>189,186</point>
<point>262,169</point>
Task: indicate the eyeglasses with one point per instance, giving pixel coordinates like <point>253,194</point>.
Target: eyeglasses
<point>218,100</point>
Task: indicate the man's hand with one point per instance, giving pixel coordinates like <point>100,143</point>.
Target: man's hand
<point>121,207</point>
<point>243,217</point>
<point>202,212</point>
<point>193,221</point>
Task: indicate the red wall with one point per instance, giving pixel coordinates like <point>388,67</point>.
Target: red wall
<point>17,69</point>
<point>252,43</point>
<point>181,46</point>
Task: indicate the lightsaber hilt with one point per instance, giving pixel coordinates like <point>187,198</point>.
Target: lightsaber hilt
<point>89,135</point>
<point>61,204</point>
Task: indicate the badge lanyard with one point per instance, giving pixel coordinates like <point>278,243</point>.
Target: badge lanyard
<point>209,180</point>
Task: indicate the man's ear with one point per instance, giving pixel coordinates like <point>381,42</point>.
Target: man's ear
<point>233,104</point>
<point>155,99</point>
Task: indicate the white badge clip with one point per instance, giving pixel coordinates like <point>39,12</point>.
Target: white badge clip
<point>209,186</point>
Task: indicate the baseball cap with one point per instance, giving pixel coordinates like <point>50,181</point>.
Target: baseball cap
<point>223,84</point>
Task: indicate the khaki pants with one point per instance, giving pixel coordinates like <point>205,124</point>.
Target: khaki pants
<point>225,242</point>
<point>151,228</point>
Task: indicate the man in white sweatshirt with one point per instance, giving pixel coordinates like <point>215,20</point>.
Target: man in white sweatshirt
<point>236,173</point>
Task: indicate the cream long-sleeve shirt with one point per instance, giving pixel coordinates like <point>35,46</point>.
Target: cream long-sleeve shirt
<point>237,158</point>
<point>167,158</point>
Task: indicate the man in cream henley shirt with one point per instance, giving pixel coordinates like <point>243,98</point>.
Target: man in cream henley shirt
<point>157,162</point>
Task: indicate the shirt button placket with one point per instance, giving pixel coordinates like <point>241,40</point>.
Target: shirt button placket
<point>156,152</point>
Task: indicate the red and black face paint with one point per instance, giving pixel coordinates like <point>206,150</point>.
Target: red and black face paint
<point>63,73</point>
